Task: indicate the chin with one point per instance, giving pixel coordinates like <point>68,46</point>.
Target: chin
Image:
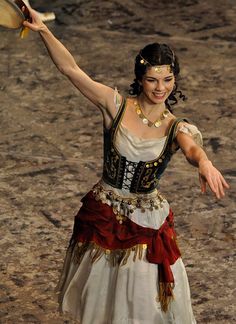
<point>159,100</point>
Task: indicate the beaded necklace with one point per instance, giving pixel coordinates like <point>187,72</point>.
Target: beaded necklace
<point>157,123</point>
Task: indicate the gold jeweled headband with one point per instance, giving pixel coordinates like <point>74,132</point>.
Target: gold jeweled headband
<point>158,68</point>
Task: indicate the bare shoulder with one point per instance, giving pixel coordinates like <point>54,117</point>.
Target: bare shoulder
<point>170,120</point>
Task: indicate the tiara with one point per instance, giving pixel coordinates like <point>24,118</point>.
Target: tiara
<point>158,68</point>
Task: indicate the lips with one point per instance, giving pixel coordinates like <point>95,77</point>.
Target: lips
<point>159,95</point>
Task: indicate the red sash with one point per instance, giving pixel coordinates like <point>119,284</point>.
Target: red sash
<point>97,223</point>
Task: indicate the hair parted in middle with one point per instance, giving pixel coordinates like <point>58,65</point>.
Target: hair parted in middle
<point>156,54</point>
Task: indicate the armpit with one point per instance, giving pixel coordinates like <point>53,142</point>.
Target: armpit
<point>192,131</point>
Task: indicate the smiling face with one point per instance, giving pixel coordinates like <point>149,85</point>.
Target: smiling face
<point>157,84</point>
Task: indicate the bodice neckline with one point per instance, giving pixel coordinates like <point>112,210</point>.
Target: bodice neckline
<point>140,139</point>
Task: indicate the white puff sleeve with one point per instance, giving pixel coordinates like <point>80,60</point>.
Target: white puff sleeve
<point>117,99</point>
<point>192,131</point>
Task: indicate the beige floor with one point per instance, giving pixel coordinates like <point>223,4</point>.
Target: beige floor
<point>51,144</point>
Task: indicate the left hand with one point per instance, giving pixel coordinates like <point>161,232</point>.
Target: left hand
<point>209,174</point>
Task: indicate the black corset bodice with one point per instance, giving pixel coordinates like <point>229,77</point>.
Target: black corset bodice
<point>143,176</point>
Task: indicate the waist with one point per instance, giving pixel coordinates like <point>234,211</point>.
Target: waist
<point>126,202</point>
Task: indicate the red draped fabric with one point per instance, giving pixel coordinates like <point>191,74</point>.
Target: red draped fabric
<point>97,223</point>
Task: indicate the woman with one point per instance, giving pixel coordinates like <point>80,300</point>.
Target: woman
<point>123,264</point>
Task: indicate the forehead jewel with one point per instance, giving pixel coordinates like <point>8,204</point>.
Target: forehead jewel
<point>146,62</point>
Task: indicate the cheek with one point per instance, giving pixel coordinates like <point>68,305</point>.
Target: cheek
<point>170,86</point>
<point>148,86</point>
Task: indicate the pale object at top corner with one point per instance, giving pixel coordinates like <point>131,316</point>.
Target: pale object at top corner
<point>44,16</point>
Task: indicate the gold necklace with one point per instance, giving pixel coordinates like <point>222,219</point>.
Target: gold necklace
<point>157,123</point>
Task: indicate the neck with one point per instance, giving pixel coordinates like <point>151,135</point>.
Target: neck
<point>149,106</point>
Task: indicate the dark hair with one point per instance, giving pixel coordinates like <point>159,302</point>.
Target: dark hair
<point>151,55</point>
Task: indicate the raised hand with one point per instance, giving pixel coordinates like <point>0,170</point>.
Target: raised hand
<point>36,24</point>
<point>208,174</point>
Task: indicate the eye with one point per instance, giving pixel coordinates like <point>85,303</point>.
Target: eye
<point>168,79</point>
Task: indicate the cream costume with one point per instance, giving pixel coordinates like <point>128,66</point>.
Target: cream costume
<point>123,265</point>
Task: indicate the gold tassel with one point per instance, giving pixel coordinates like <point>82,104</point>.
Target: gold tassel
<point>115,257</point>
<point>96,253</point>
<point>141,247</point>
<point>165,294</point>
<point>135,249</point>
<point>79,251</point>
<point>24,32</point>
<point>126,256</point>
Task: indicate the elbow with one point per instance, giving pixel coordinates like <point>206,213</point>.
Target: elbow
<point>191,161</point>
<point>63,70</point>
<point>66,70</point>
<point>192,155</point>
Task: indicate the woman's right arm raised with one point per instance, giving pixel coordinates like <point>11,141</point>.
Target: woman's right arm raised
<point>102,96</point>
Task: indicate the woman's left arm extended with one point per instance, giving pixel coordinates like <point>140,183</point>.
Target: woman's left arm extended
<point>207,172</point>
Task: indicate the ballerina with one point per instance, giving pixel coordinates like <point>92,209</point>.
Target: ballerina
<point>123,264</point>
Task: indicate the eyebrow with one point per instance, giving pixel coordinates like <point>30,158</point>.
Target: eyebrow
<point>167,77</point>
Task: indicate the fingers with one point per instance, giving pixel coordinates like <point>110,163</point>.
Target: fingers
<point>33,14</point>
<point>220,189</point>
<point>213,186</point>
<point>29,25</point>
<point>217,186</point>
<point>202,184</point>
<point>225,184</point>
<point>215,181</point>
<point>221,184</point>
<point>35,22</point>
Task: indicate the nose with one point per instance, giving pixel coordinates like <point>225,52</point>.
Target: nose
<point>160,86</point>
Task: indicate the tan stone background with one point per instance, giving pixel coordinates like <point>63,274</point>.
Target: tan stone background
<point>51,144</point>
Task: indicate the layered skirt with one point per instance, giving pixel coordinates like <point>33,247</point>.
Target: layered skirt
<point>119,271</point>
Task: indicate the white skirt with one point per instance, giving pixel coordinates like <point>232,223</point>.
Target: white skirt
<point>101,293</point>
<point>98,293</point>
